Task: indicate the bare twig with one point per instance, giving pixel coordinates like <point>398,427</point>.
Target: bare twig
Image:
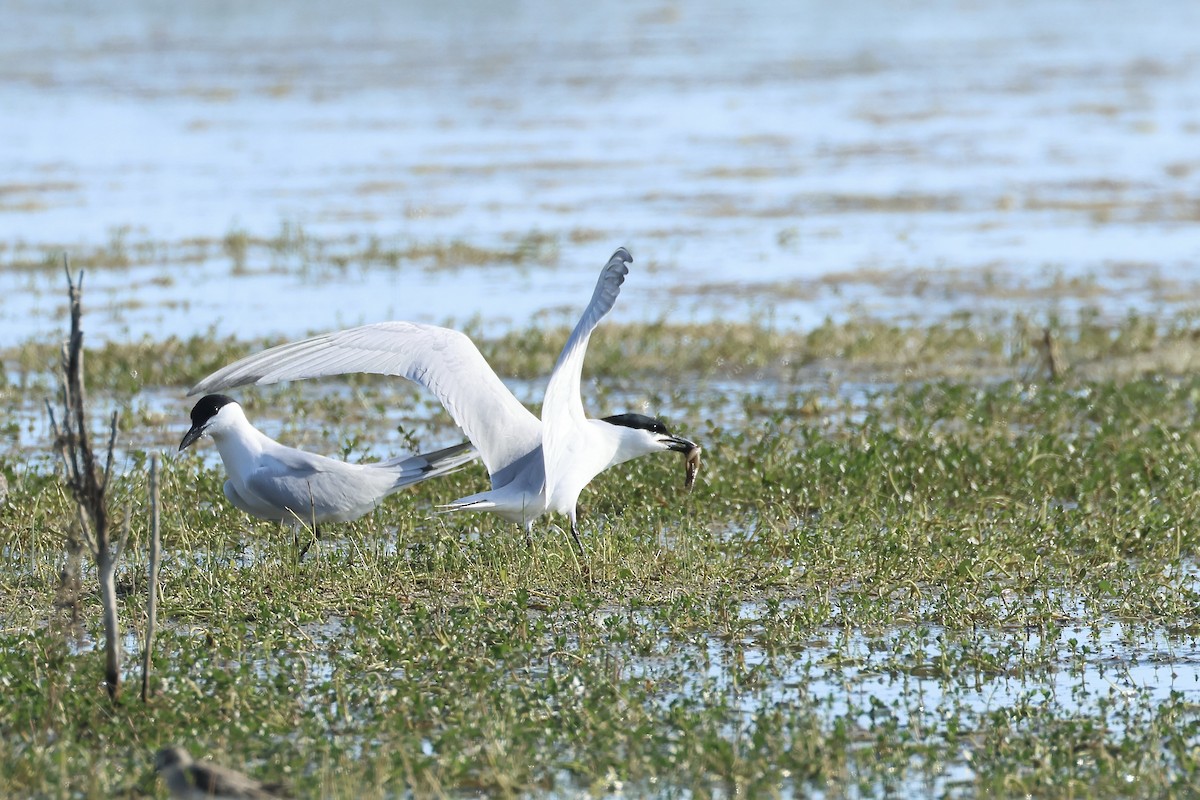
<point>1051,355</point>
<point>60,440</point>
<point>108,462</point>
<point>125,526</point>
<point>85,483</point>
<point>155,556</point>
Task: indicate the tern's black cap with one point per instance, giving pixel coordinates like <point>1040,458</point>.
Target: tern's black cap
<point>202,413</point>
<point>208,406</point>
<point>638,421</point>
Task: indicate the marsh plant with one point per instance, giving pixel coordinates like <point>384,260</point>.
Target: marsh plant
<point>88,486</point>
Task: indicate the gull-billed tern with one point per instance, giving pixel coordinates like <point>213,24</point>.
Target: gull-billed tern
<point>272,481</point>
<point>535,465</point>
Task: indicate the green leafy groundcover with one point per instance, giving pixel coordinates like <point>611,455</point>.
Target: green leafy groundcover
<point>967,582</point>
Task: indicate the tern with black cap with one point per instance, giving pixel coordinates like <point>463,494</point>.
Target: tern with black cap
<point>536,466</point>
<point>271,481</point>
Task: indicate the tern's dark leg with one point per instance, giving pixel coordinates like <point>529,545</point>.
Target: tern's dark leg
<point>311,542</point>
<point>575,536</point>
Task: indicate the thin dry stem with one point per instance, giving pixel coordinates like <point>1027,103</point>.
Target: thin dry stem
<point>85,483</point>
<point>155,557</point>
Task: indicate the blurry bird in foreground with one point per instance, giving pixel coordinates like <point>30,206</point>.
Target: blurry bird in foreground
<point>192,780</point>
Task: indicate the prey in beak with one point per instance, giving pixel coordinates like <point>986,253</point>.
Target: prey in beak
<point>662,439</point>
<point>691,458</point>
<point>691,467</point>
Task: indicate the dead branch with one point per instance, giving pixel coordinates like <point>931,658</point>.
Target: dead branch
<point>85,483</point>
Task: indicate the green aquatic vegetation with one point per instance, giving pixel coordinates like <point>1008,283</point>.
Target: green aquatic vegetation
<point>964,349</point>
<point>911,587</point>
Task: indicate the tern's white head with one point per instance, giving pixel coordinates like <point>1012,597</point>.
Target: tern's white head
<point>213,415</point>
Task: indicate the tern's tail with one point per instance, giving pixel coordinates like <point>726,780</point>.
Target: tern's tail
<point>513,503</point>
<point>466,504</point>
<point>414,469</point>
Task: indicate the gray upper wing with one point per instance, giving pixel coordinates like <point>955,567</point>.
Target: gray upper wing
<point>442,360</point>
<point>562,408</point>
<point>562,393</point>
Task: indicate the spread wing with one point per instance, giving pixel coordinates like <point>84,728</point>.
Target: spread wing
<point>562,408</point>
<point>444,361</point>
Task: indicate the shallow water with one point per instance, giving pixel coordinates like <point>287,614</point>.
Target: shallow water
<point>915,682</point>
<point>817,159</point>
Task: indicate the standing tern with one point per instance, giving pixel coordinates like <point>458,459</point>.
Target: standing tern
<point>272,481</point>
<point>536,466</point>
